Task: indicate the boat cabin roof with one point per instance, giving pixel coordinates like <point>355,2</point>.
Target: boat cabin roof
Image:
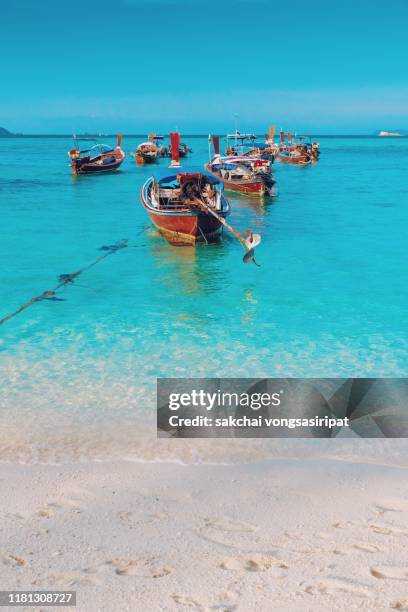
<point>98,149</point>
<point>166,176</point>
<point>238,136</point>
<point>225,166</point>
<point>240,159</point>
<point>260,145</point>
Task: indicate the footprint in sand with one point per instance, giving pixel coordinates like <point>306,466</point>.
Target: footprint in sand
<point>46,513</point>
<point>392,573</point>
<point>363,547</point>
<point>132,520</point>
<point>21,516</point>
<point>229,533</point>
<point>144,568</point>
<point>400,604</point>
<point>341,551</point>
<point>66,504</point>
<point>343,525</point>
<point>72,580</point>
<point>293,535</point>
<point>129,519</point>
<point>224,604</point>
<point>252,564</point>
<point>187,602</point>
<point>369,548</point>
<point>229,524</point>
<point>386,529</point>
<point>391,505</point>
<point>49,510</point>
<point>335,585</point>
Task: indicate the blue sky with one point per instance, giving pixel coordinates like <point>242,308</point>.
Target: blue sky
<point>200,65</point>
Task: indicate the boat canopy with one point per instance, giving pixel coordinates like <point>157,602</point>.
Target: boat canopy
<point>168,175</point>
<point>239,159</point>
<point>224,166</point>
<point>260,145</point>
<point>239,136</point>
<point>98,149</point>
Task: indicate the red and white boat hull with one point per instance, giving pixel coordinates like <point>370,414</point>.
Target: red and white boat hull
<point>254,187</point>
<point>183,227</point>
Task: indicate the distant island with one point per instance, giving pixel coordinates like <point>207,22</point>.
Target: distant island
<point>4,132</point>
<point>393,133</point>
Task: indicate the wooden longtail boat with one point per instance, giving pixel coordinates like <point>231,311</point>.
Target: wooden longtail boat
<point>247,145</point>
<point>296,151</point>
<point>183,150</point>
<point>188,205</point>
<point>242,173</point>
<point>99,158</point>
<point>312,147</point>
<point>150,151</point>
<point>295,155</point>
<point>146,153</point>
<point>239,144</point>
<point>172,199</point>
<point>239,177</point>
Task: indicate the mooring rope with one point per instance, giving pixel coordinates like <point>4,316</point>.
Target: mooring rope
<point>67,279</point>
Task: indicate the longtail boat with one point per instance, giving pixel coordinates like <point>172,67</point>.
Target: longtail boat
<point>247,145</point>
<point>297,150</point>
<point>150,151</point>
<point>242,173</point>
<point>99,158</point>
<point>183,150</point>
<point>296,155</point>
<point>188,205</point>
<point>293,153</point>
<point>239,144</point>
<point>172,198</point>
<point>313,147</point>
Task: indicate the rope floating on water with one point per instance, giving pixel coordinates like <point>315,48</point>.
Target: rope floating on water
<point>66,279</point>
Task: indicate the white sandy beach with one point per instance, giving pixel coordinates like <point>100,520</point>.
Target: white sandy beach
<point>292,535</point>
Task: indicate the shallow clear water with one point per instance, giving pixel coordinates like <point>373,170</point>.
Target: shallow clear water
<point>78,376</point>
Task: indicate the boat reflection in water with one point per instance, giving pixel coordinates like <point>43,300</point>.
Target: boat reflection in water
<point>189,271</point>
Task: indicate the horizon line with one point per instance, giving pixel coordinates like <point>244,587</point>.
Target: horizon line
<point>187,135</point>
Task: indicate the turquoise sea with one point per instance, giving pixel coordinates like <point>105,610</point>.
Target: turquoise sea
<point>78,376</point>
